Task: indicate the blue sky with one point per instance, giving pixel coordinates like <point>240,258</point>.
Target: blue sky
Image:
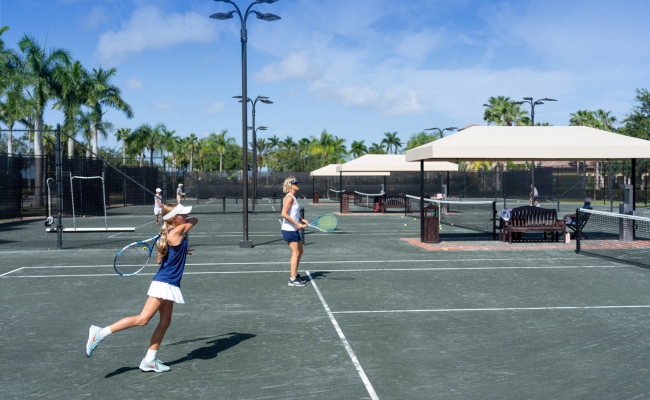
<point>357,68</point>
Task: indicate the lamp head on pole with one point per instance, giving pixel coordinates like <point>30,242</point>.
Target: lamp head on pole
<point>262,128</point>
<point>264,1</point>
<point>547,99</point>
<point>266,16</point>
<point>265,101</point>
<point>518,102</point>
<point>528,98</point>
<point>222,16</point>
<point>451,128</point>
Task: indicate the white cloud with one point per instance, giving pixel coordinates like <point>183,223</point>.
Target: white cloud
<point>133,83</point>
<point>295,66</point>
<point>162,107</point>
<point>215,108</point>
<point>99,15</point>
<point>149,28</point>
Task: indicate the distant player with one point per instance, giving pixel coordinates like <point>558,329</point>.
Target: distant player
<point>157,205</point>
<point>179,193</point>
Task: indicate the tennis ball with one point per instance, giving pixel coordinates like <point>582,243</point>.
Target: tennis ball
<point>452,224</point>
<point>413,219</point>
<point>83,216</point>
<point>404,224</point>
<point>144,248</point>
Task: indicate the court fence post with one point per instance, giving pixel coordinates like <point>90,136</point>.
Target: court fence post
<point>578,231</point>
<point>59,191</point>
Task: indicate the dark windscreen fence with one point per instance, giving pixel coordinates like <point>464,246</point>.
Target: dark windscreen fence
<point>10,186</point>
<point>617,237</point>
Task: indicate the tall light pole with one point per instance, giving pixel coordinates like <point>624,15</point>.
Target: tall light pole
<point>245,242</point>
<point>532,103</point>
<point>451,128</point>
<point>264,100</point>
<point>442,135</point>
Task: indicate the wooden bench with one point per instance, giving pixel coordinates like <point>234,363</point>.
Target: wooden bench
<point>395,202</point>
<point>584,217</point>
<point>533,219</point>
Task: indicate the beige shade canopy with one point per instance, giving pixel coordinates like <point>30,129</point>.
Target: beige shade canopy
<point>391,163</point>
<point>330,170</point>
<point>531,143</point>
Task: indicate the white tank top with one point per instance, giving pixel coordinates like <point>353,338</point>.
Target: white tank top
<point>294,213</point>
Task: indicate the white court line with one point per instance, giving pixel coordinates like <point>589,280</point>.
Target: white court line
<point>320,262</point>
<point>355,361</point>
<point>327,270</point>
<point>490,309</point>
<point>7,273</point>
<point>140,226</point>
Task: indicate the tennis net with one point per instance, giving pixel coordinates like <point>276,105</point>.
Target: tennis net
<point>366,199</point>
<point>335,195</point>
<point>473,215</point>
<point>618,237</point>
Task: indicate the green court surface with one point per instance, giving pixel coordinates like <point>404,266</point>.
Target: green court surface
<point>379,319</point>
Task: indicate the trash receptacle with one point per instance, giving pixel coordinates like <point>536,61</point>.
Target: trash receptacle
<point>431,224</point>
<point>345,204</point>
<point>316,198</point>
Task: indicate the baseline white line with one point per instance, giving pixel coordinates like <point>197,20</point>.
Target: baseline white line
<point>325,270</point>
<point>355,361</point>
<point>7,273</point>
<point>489,309</point>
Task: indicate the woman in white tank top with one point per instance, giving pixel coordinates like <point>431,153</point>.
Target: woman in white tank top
<point>290,226</point>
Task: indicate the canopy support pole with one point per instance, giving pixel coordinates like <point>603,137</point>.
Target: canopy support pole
<point>421,201</point>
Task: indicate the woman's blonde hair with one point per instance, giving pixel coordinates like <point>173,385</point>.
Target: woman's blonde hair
<point>286,186</point>
<point>161,244</point>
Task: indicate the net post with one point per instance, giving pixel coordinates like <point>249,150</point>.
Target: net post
<point>59,191</point>
<point>302,230</point>
<point>578,231</point>
<point>74,220</point>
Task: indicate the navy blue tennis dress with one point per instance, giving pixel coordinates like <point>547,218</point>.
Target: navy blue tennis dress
<point>167,281</point>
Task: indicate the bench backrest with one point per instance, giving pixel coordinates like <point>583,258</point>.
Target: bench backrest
<point>395,201</point>
<point>533,216</point>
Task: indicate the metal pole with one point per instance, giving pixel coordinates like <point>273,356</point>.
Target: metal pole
<point>611,186</point>
<point>633,176</point>
<point>422,201</point>
<point>59,191</point>
<point>254,159</point>
<point>197,187</point>
<point>532,113</point>
<point>245,242</point>
<point>341,192</point>
<point>164,185</point>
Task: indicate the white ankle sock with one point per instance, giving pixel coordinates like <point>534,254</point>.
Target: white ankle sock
<point>105,332</point>
<point>151,355</point>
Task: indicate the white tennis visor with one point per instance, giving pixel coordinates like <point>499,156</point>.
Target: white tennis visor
<point>179,209</point>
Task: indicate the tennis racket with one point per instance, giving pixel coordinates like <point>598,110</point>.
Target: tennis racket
<point>324,223</point>
<point>134,257</point>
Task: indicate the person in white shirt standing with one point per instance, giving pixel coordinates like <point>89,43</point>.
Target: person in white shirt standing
<point>533,196</point>
<point>179,193</point>
<point>290,226</point>
<point>157,205</point>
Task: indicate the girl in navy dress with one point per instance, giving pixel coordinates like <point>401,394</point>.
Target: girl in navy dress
<point>164,290</point>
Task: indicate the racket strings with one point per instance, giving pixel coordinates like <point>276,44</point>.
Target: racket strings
<point>327,223</point>
<point>132,259</point>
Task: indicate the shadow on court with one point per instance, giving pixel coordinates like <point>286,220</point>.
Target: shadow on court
<point>202,353</point>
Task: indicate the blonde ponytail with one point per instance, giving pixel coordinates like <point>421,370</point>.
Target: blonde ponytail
<point>161,244</point>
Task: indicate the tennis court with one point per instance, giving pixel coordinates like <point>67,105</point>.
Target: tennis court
<point>380,319</point>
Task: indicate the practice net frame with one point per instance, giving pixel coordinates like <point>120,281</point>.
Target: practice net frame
<point>617,237</point>
<point>477,216</point>
<point>335,195</point>
<point>366,199</point>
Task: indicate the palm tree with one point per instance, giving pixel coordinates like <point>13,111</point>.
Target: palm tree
<point>72,94</point>
<point>39,67</point>
<point>123,135</point>
<point>192,144</point>
<point>16,108</point>
<point>220,143</point>
<point>288,143</point>
<point>376,148</point>
<point>101,95</point>
<point>357,149</point>
<point>502,111</point>
<point>392,141</point>
<point>10,63</point>
<point>303,151</point>
<point>583,118</point>
<point>606,120</point>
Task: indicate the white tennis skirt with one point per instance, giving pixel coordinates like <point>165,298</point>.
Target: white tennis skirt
<point>163,290</point>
